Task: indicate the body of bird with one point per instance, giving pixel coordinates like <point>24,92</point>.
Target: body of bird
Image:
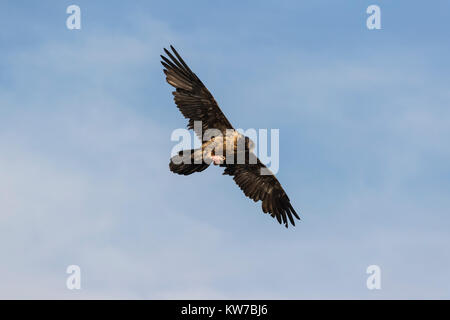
<point>222,145</point>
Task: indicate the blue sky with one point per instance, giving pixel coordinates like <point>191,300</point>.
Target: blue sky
<point>85,125</point>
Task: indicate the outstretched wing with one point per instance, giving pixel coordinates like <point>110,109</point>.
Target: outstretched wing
<point>191,96</point>
<point>263,187</point>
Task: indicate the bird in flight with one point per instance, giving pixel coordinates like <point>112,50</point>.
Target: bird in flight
<point>198,105</point>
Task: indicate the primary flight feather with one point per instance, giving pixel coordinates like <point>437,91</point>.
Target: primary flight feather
<point>198,105</point>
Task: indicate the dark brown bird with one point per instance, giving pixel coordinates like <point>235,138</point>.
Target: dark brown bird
<point>198,105</point>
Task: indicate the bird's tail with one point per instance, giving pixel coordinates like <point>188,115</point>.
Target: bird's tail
<point>187,162</point>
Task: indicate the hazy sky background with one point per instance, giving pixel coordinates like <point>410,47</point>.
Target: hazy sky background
<point>85,124</point>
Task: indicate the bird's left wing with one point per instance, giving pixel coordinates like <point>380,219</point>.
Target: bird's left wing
<point>264,187</point>
<point>191,96</point>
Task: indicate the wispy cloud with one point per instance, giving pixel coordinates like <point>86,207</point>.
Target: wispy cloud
<point>85,124</point>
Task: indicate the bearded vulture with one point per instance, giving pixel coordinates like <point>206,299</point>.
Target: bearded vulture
<point>198,105</point>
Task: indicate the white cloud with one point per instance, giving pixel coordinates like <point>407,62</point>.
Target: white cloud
<point>84,178</point>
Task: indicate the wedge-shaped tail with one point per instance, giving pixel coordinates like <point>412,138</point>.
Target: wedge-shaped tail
<point>185,162</point>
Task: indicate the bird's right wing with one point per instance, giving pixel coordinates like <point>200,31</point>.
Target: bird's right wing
<point>265,187</point>
<point>191,96</point>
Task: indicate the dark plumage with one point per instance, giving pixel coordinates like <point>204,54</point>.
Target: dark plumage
<point>196,103</point>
